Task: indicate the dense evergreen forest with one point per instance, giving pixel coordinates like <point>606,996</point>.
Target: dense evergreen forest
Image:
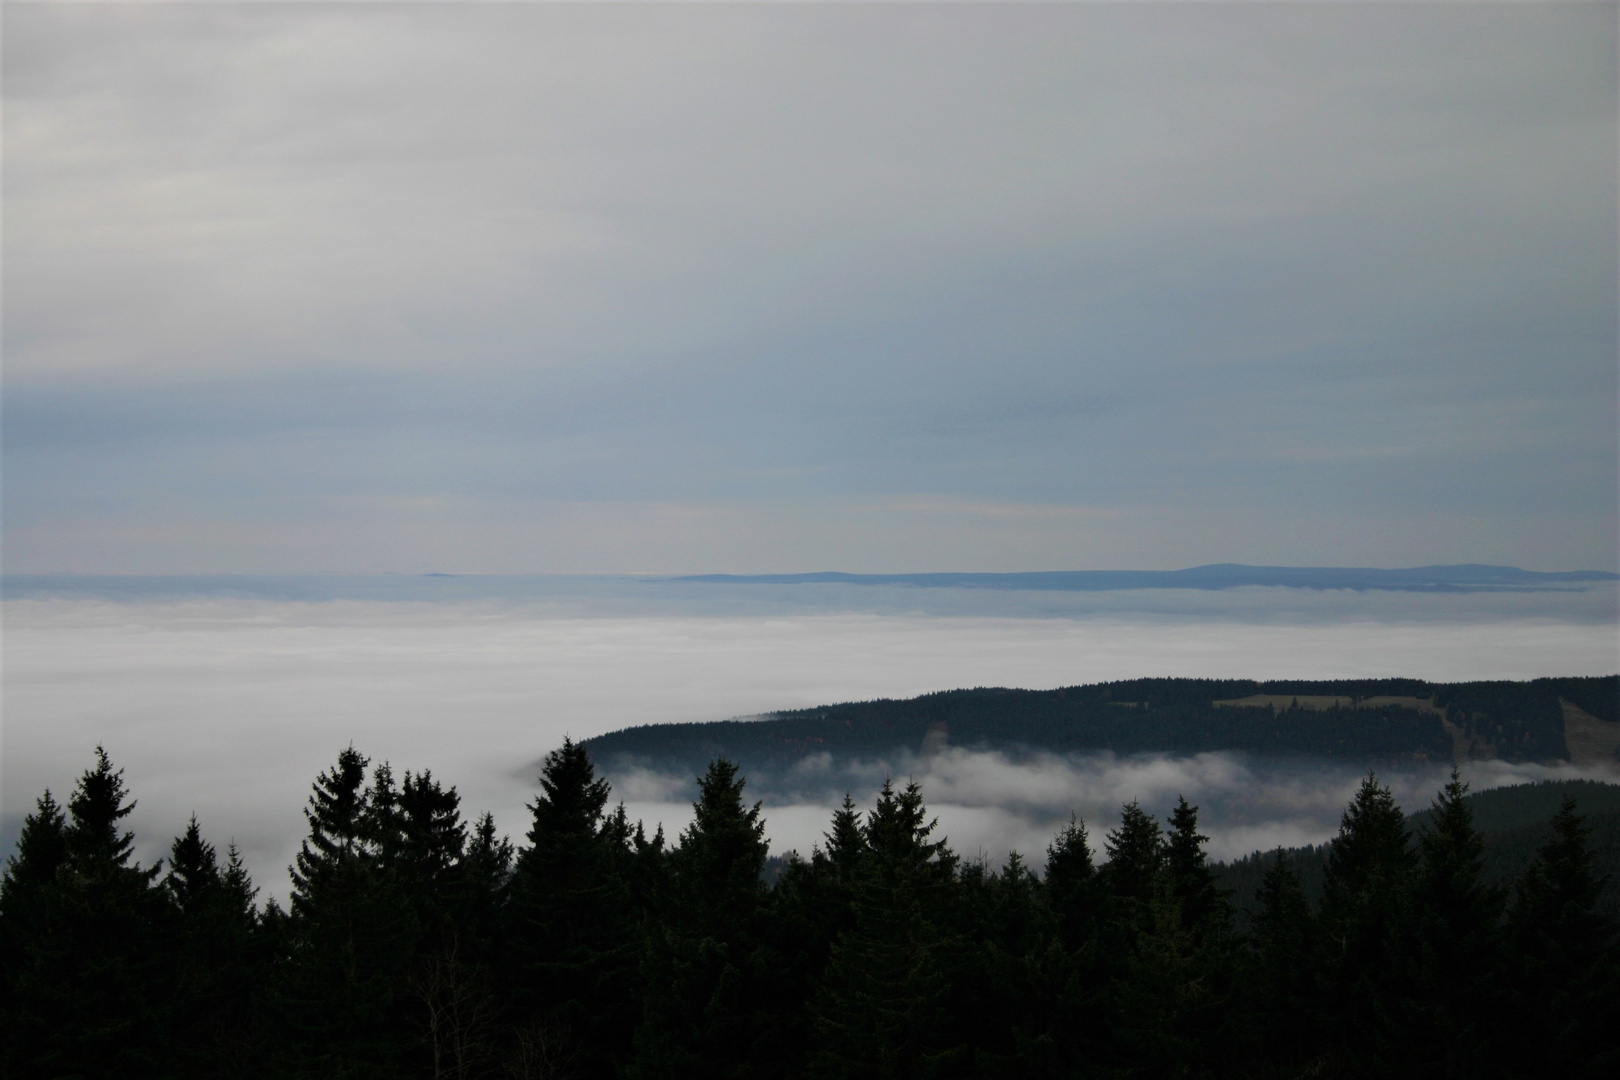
<point>421,944</point>
<point>1512,823</point>
<point>1362,720</point>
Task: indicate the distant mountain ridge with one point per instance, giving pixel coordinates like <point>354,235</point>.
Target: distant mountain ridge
<point>1463,577</point>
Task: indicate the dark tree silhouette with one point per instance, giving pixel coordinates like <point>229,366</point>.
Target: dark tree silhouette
<point>348,937</point>
<point>1284,976</point>
<point>420,945</point>
<point>1204,911</point>
<point>881,1008</point>
<point>572,943</point>
<point>1366,909</point>
<point>1459,945</point>
<point>217,952</point>
<point>703,973</point>
<point>89,993</point>
<point>1135,859</point>
<point>1566,975</point>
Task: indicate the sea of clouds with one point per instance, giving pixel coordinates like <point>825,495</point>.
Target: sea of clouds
<point>228,705</point>
<point>991,803</point>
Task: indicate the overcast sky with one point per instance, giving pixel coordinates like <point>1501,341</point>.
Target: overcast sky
<point>765,288</point>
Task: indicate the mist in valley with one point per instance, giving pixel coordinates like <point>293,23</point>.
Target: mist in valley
<point>991,803</point>
<point>228,705</point>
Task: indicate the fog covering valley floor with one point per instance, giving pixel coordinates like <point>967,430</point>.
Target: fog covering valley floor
<point>1269,763</point>
<point>222,695</point>
<point>231,706</point>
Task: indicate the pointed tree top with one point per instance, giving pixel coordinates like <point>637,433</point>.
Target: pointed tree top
<point>572,797</point>
<point>98,805</point>
<point>1135,853</point>
<point>1068,857</point>
<point>41,851</point>
<point>1372,840</point>
<point>193,869</point>
<point>846,843</point>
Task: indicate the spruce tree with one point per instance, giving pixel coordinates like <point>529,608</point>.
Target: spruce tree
<point>1369,855</point>
<point>343,969</point>
<point>704,975</point>
<point>41,853</point>
<point>1018,918</point>
<point>883,1007</point>
<point>432,840</point>
<point>28,903</point>
<point>219,961</point>
<point>1072,886</point>
<point>1566,961</point>
<point>1366,917</point>
<point>1205,911</point>
<point>999,986</point>
<point>193,875</point>
<point>1459,947</point>
<point>810,907</point>
<point>1068,1020</point>
<point>572,948</point>
<point>1283,976</point>
<point>1129,1008</point>
<point>455,983</point>
<point>238,887</point>
<point>846,843</point>
<point>1135,860</point>
<point>650,887</point>
<point>90,993</point>
<point>483,882</point>
<point>97,847</point>
<point>420,840</point>
<point>336,814</point>
<point>1173,991</point>
<point>722,853</point>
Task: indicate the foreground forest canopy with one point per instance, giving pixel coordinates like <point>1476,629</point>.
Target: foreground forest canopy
<point>420,944</point>
<point>1363,720</point>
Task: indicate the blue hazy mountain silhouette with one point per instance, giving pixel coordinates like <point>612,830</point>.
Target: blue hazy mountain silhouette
<point>1465,577</point>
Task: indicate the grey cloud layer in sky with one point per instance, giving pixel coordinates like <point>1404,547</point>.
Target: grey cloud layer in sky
<point>618,287</point>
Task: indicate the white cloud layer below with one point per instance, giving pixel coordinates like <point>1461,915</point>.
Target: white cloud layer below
<point>230,707</point>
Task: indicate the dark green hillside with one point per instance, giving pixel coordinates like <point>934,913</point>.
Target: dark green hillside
<point>1370,720</point>
<point>1532,805</point>
<point>1513,821</point>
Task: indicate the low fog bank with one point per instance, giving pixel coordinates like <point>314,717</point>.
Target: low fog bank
<point>990,803</point>
<point>228,707</point>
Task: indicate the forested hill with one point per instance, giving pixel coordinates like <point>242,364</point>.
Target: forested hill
<point>1513,823</point>
<point>1373,720</point>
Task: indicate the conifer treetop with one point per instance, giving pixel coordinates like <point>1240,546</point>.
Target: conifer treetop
<point>96,808</point>
<point>572,798</point>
